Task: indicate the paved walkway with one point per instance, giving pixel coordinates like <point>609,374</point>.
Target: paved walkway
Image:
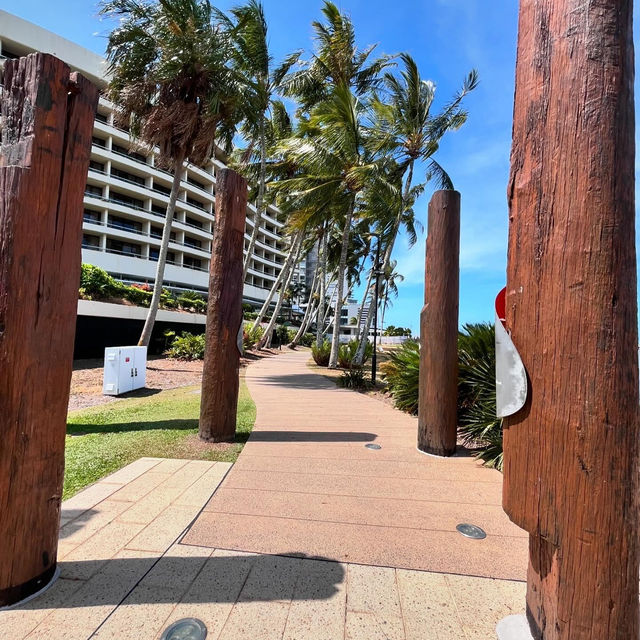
<point>341,516</point>
<point>306,483</point>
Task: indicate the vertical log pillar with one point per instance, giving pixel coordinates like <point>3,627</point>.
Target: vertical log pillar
<point>220,381</point>
<point>438,393</point>
<point>48,118</point>
<point>571,454</point>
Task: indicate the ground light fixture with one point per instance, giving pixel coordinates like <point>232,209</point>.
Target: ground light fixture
<point>471,531</point>
<point>372,446</point>
<point>185,629</point>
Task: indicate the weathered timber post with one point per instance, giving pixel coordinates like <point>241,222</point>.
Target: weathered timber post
<point>438,393</point>
<point>571,454</point>
<point>47,121</point>
<point>220,381</point>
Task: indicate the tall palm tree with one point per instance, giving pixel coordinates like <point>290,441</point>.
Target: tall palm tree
<point>336,61</point>
<point>174,90</point>
<point>336,169</point>
<point>408,132</point>
<point>261,82</point>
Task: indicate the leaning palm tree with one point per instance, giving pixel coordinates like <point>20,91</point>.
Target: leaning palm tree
<point>336,167</point>
<point>174,90</point>
<point>261,82</point>
<point>407,131</point>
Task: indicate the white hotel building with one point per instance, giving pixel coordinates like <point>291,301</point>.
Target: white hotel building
<point>126,195</point>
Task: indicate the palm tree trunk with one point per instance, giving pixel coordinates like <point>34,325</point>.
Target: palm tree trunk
<point>346,233</point>
<point>322,265</point>
<point>265,341</point>
<point>276,285</point>
<point>145,337</point>
<point>364,336</point>
<point>259,202</point>
<point>364,301</point>
<point>307,313</point>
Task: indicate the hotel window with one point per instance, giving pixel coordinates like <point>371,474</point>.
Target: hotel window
<point>90,242</point>
<point>126,248</point>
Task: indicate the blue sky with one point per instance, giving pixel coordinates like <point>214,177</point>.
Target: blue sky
<point>447,38</point>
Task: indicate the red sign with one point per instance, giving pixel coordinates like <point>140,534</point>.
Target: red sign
<point>501,306</point>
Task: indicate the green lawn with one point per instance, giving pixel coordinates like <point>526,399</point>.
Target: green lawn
<point>102,439</point>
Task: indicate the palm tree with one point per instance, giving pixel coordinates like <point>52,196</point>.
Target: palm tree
<point>408,132</point>
<point>336,169</point>
<point>336,62</point>
<point>174,90</point>
<point>261,82</point>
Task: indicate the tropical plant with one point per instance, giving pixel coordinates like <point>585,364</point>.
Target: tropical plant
<point>354,379</point>
<point>261,81</point>
<point>401,373</point>
<point>320,354</point>
<point>187,347</point>
<point>347,353</point>
<point>251,335</point>
<point>407,132</point>
<point>477,420</point>
<point>168,63</point>
<point>96,283</point>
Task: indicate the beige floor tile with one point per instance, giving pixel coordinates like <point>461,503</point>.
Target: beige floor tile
<point>170,465</point>
<point>256,621</point>
<point>141,486</point>
<point>272,578</point>
<point>88,498</point>
<point>483,601</point>
<point>428,609</point>
<point>80,615</point>
<point>88,557</point>
<point>91,521</point>
<point>163,530</point>
<point>369,626</point>
<point>133,470</point>
<point>373,590</point>
<point>200,491</point>
<point>319,603</point>
<point>212,594</point>
<point>19,622</point>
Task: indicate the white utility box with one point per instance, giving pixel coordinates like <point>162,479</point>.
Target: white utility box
<point>125,369</point>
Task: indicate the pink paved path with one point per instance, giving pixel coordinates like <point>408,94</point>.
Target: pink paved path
<point>306,484</point>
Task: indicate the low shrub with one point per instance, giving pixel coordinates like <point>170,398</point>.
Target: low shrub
<point>250,315</point>
<point>354,379</point>
<point>477,420</point>
<point>168,300</point>
<point>192,301</point>
<point>251,336</point>
<point>347,352</point>
<point>187,347</point>
<point>307,339</point>
<point>401,373</point>
<point>322,353</point>
<point>246,308</point>
<point>97,284</point>
<point>139,295</point>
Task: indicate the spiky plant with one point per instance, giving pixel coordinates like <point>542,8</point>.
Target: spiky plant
<point>401,373</point>
<point>477,420</point>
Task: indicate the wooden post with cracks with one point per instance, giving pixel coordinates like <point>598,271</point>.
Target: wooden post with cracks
<point>219,403</point>
<point>571,454</point>
<point>47,122</point>
<point>438,390</point>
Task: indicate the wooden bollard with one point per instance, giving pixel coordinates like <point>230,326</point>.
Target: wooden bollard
<point>571,454</point>
<point>220,382</point>
<point>48,116</point>
<point>438,392</point>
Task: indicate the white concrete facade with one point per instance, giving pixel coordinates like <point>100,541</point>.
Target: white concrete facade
<point>127,193</point>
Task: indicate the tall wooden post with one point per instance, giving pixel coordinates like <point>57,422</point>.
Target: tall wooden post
<point>571,454</point>
<point>48,118</point>
<point>438,394</point>
<point>220,381</point>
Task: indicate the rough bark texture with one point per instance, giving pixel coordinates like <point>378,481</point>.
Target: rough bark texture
<point>48,117</point>
<point>571,469</point>
<point>438,392</point>
<point>220,382</point>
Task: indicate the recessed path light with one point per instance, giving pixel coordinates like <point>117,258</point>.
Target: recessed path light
<point>372,446</point>
<point>471,531</point>
<point>185,629</point>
